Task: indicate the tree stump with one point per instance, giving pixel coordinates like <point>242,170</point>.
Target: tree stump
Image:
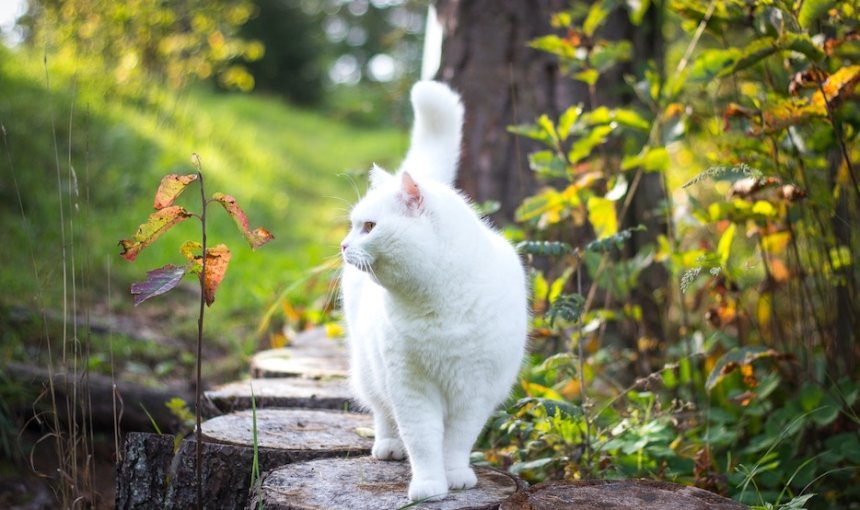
<point>627,494</point>
<point>151,476</point>
<point>299,430</point>
<point>145,462</point>
<point>368,484</point>
<point>288,362</point>
<point>311,354</point>
<point>285,393</point>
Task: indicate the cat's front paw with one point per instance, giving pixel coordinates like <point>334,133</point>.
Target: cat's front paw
<point>462,478</point>
<point>388,449</point>
<point>427,490</point>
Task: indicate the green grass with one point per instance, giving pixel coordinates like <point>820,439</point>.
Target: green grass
<point>294,172</point>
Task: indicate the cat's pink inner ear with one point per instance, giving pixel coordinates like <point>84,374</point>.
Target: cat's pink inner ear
<point>411,192</point>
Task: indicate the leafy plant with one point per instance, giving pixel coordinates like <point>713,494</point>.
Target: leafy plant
<point>209,264</point>
<point>750,127</point>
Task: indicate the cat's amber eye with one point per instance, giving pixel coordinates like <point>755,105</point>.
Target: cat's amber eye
<point>368,226</point>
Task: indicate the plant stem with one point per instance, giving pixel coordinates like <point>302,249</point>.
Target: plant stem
<point>199,430</point>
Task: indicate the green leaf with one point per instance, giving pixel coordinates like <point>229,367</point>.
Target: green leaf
<point>802,43</point>
<point>606,55</point>
<point>602,216</point>
<point>588,76</point>
<point>156,225</point>
<point>555,45</point>
<point>540,287</point>
<point>596,16</point>
<point>637,10</point>
<point>548,127</point>
<point>567,306</point>
<point>654,159</point>
<point>710,63</point>
<point>546,248</point>
<point>547,164</point>
<point>616,240</point>
<point>158,281</point>
<point>811,10</point>
<point>567,120</point>
<point>582,148</point>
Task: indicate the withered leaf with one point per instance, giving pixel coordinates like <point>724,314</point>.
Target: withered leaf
<point>171,187</point>
<point>158,281</point>
<point>158,223</point>
<point>257,237</point>
<point>217,259</point>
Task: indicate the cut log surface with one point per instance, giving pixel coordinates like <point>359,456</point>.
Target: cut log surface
<point>284,392</point>
<point>627,494</point>
<point>288,362</point>
<point>294,429</point>
<point>367,484</point>
<point>311,354</point>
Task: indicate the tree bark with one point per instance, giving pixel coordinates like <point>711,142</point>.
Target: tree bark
<point>485,57</point>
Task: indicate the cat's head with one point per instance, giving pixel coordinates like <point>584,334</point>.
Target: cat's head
<point>390,226</point>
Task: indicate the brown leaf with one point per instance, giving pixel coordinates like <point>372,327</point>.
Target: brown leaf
<point>217,259</point>
<point>791,193</point>
<point>748,186</point>
<point>257,237</point>
<point>158,223</point>
<point>170,188</point>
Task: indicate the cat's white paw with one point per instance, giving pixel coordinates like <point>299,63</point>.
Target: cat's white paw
<point>388,449</point>
<point>462,478</point>
<point>427,490</point>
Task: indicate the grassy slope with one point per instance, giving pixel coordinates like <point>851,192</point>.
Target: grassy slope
<point>287,167</point>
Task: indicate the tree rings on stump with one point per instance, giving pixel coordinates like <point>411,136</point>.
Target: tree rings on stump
<point>289,362</point>
<point>367,484</point>
<point>304,430</point>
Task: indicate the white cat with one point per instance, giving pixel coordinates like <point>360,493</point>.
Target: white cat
<point>435,303</point>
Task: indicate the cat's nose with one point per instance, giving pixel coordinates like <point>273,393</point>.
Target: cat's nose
<point>343,247</point>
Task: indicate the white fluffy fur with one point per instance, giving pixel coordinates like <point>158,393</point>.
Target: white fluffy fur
<point>435,303</point>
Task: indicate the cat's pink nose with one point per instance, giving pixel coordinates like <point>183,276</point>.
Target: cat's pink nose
<point>343,247</point>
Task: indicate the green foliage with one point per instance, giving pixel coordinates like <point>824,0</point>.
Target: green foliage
<point>752,128</point>
<point>131,43</point>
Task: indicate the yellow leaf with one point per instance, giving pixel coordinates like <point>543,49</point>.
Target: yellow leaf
<point>776,243</point>
<point>334,330</point>
<point>277,340</point>
<point>601,214</point>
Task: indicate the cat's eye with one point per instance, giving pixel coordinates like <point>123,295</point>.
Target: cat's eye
<point>367,226</point>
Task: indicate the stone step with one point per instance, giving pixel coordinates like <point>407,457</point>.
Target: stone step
<point>364,483</point>
<point>282,392</point>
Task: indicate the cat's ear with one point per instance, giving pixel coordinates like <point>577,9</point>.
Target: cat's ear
<point>410,192</point>
<point>378,176</point>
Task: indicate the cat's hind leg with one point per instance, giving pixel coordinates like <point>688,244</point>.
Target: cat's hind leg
<point>387,444</point>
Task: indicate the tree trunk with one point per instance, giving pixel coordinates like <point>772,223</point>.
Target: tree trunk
<point>485,57</point>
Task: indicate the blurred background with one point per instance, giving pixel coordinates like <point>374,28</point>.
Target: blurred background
<point>678,175</point>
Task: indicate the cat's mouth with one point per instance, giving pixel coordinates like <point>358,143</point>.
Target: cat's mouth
<point>358,260</point>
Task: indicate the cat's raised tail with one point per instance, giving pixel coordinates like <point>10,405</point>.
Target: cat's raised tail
<point>438,128</point>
